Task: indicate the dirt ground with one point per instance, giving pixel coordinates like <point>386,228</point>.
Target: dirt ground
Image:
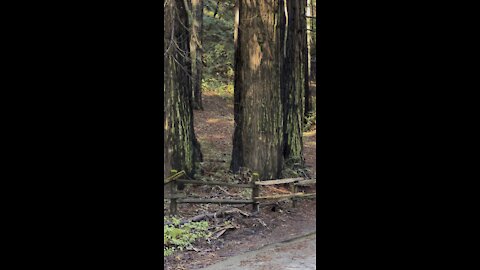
<point>274,223</point>
<point>297,254</point>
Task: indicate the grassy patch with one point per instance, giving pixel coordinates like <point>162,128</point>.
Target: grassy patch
<point>179,237</point>
<point>218,49</point>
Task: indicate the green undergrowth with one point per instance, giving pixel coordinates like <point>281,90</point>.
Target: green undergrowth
<point>178,237</point>
<point>311,119</point>
<point>218,45</point>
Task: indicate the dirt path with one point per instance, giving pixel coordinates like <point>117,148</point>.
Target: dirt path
<point>296,254</point>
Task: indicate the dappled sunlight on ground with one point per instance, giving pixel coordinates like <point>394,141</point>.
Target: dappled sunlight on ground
<point>310,133</point>
<point>310,150</point>
<point>214,126</point>
<point>310,144</point>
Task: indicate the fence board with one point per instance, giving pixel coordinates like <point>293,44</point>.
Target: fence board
<point>306,182</point>
<point>210,183</point>
<point>282,196</point>
<point>277,182</point>
<point>226,201</point>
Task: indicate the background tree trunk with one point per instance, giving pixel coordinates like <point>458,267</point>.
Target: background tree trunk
<point>313,40</point>
<point>308,59</point>
<point>216,9</point>
<point>196,50</point>
<point>235,24</point>
<point>258,135</point>
<point>181,149</point>
<point>292,82</point>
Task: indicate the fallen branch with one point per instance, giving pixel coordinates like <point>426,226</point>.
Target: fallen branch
<point>216,201</point>
<point>225,191</point>
<point>219,213</point>
<point>214,183</point>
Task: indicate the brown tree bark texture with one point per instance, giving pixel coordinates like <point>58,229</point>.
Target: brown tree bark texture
<point>258,135</point>
<point>196,50</point>
<point>181,149</point>
<point>293,77</point>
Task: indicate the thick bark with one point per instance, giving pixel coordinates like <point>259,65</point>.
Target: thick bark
<point>196,50</point>
<point>258,135</point>
<point>181,149</point>
<point>292,81</point>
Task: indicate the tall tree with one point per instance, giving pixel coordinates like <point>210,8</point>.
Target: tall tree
<point>236,19</point>
<point>313,40</point>
<point>308,58</point>
<point>258,135</point>
<point>196,50</point>
<point>292,82</point>
<point>181,148</point>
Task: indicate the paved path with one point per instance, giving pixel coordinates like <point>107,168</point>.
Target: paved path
<point>296,254</point>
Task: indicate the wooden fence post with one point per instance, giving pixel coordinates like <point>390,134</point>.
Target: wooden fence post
<point>255,193</point>
<point>173,199</point>
<point>293,189</point>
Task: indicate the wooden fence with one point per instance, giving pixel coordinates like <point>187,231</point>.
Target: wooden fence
<point>176,198</point>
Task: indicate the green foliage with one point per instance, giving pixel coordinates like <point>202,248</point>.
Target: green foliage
<point>310,121</point>
<point>179,237</point>
<point>218,46</point>
<point>246,193</point>
<point>311,118</point>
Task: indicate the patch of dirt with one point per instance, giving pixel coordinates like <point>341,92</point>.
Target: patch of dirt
<point>297,254</point>
<point>310,151</point>
<point>214,126</point>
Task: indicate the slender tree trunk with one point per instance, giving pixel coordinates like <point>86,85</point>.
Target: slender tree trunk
<point>181,148</point>
<point>196,50</point>
<point>309,32</point>
<point>292,81</point>
<point>258,135</point>
<point>216,9</point>
<point>308,59</point>
<point>313,46</point>
<point>235,24</point>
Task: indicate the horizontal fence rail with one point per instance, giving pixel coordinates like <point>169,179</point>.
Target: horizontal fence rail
<point>222,201</point>
<point>179,198</point>
<point>210,183</point>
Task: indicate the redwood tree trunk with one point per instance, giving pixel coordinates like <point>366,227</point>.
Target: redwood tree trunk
<point>292,82</point>
<point>308,58</point>
<point>181,149</point>
<point>196,48</point>
<point>258,135</point>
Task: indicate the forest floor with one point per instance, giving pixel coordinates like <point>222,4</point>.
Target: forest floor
<point>275,222</point>
<point>299,253</point>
